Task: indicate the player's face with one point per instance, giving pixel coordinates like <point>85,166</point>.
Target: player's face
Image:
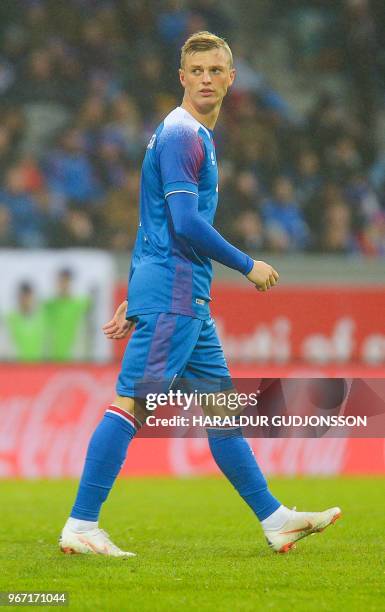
<point>206,77</point>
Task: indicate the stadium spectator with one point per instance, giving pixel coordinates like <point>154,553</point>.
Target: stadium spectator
<point>65,317</point>
<point>247,191</point>
<point>120,213</point>
<point>96,49</point>
<point>327,122</point>
<point>308,177</point>
<point>111,160</point>
<point>285,226</point>
<point>27,221</point>
<point>75,229</point>
<point>338,237</point>
<point>248,231</point>
<point>344,160</point>
<point>26,326</point>
<point>69,171</point>
<point>243,193</point>
<point>126,125</point>
<point>38,83</point>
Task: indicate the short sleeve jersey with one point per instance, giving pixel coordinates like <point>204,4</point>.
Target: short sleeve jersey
<point>167,275</point>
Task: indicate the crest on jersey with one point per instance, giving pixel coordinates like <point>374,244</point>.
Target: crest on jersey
<point>152,141</point>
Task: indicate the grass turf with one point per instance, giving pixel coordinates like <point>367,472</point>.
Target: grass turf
<point>199,547</point>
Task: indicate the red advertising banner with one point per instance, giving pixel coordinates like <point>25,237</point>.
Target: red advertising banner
<point>303,325</point>
<point>47,414</point>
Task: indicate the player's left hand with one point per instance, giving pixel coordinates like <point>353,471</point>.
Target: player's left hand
<point>263,276</point>
<point>118,328</point>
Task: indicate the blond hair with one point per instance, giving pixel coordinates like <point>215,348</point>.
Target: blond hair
<point>204,41</point>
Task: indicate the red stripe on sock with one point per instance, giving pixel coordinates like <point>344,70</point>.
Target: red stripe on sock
<point>126,415</point>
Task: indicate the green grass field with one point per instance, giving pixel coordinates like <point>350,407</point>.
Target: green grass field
<point>199,547</point>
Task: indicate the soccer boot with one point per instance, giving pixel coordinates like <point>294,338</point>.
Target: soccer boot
<point>298,526</point>
<point>94,541</point>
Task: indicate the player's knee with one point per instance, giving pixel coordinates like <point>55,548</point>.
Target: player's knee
<point>131,405</point>
<point>221,404</point>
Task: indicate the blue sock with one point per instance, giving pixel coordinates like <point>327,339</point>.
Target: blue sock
<point>236,460</point>
<point>105,456</point>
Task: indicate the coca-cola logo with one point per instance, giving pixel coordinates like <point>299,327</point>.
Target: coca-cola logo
<point>46,433</point>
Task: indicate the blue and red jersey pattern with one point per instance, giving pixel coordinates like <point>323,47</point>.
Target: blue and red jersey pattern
<point>166,274</point>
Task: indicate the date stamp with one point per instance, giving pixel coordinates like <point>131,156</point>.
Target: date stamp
<point>34,598</point>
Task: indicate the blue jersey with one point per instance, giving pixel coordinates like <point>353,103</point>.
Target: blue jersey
<point>167,275</point>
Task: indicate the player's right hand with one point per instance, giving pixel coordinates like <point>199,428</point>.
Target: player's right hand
<point>118,327</point>
<point>263,275</point>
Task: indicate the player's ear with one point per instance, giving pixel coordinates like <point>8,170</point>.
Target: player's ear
<point>181,77</point>
<point>232,76</point>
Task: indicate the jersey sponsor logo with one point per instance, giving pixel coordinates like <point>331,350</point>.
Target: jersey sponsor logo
<point>199,301</point>
<point>152,142</point>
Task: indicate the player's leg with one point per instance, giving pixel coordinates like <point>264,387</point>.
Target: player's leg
<point>105,456</point>
<point>108,447</point>
<point>158,348</point>
<point>282,526</point>
<point>235,458</point>
<point>229,448</point>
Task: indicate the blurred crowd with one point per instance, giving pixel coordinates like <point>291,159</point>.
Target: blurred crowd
<point>83,83</point>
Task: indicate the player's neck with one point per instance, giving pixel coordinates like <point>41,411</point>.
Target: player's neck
<point>207,119</point>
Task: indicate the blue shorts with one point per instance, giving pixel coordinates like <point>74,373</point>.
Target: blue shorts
<point>173,350</point>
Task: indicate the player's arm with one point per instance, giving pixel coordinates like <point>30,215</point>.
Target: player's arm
<point>119,326</point>
<point>181,154</point>
<point>190,227</point>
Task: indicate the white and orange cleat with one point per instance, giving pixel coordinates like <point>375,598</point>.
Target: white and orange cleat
<point>298,526</point>
<point>95,541</point>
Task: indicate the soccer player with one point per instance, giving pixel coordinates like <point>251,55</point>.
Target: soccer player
<point>168,302</point>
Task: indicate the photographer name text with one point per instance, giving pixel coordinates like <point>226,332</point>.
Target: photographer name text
<point>257,421</point>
